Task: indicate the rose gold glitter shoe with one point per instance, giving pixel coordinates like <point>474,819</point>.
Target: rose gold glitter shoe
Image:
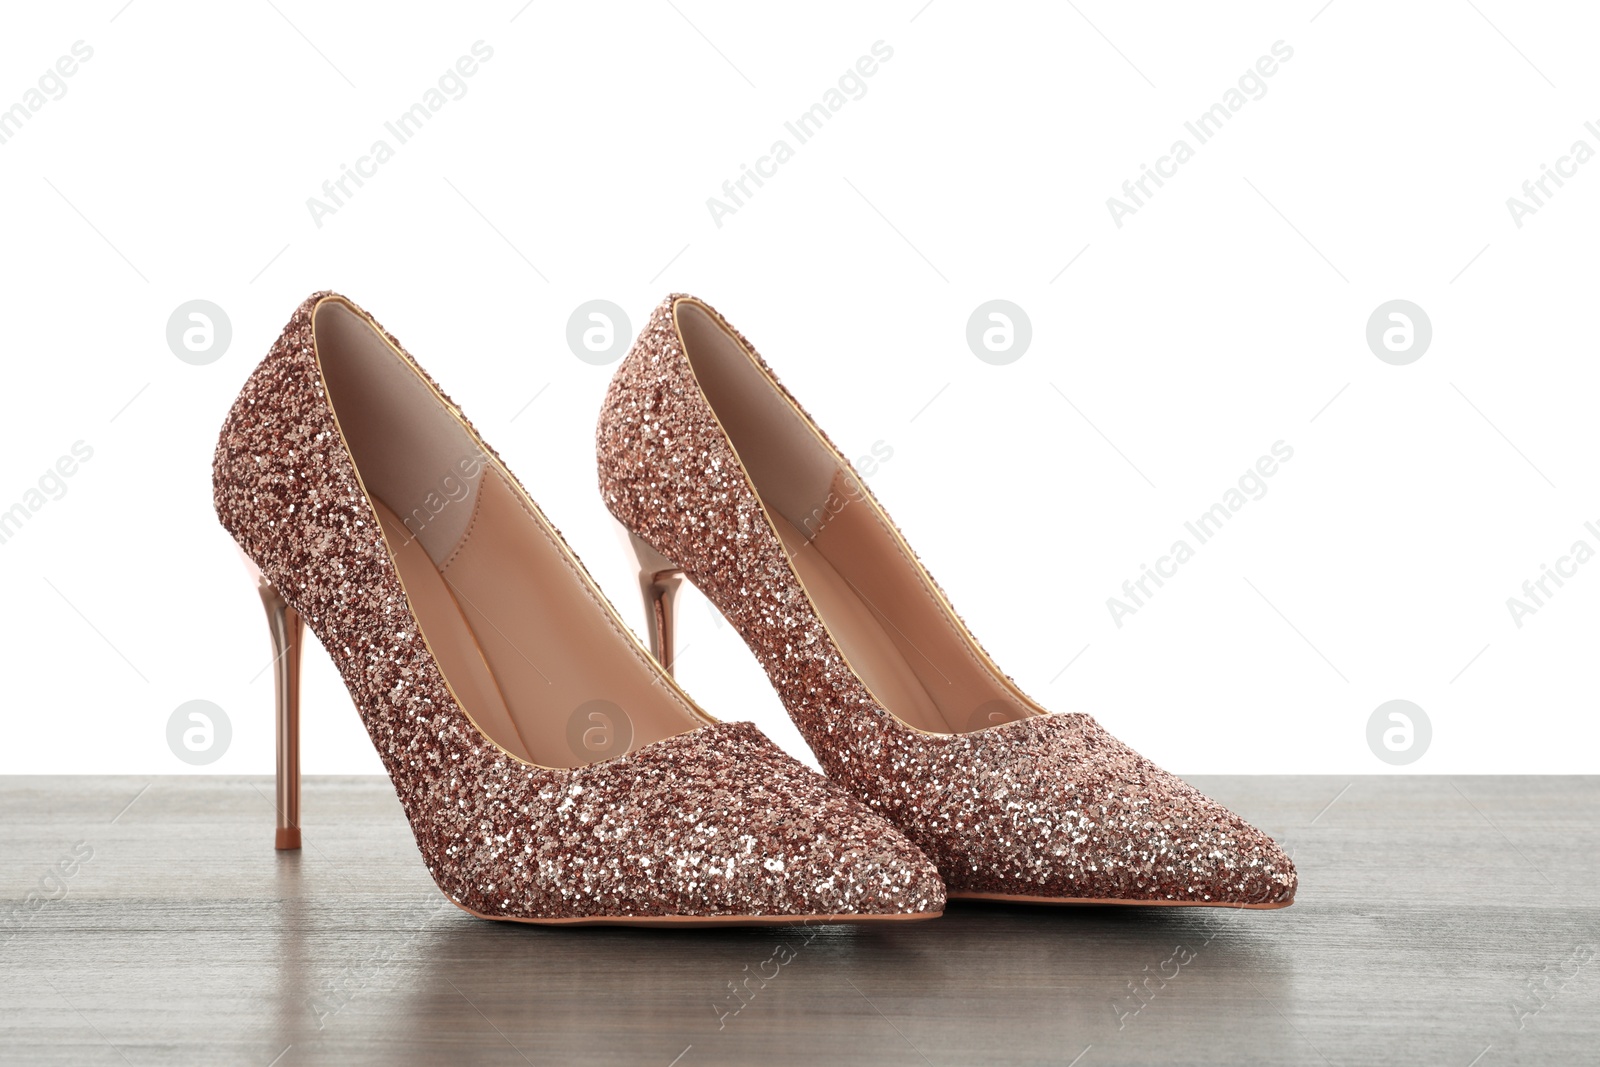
<point>720,475</point>
<point>551,771</point>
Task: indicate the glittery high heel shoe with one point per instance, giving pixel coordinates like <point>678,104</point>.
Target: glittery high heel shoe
<point>719,473</point>
<point>551,771</point>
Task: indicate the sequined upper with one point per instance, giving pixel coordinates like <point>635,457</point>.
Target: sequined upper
<point>714,822</point>
<point>1047,806</point>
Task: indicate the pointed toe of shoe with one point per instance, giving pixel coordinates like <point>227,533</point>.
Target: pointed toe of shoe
<point>1055,809</point>
<point>1207,855</point>
<point>716,825</point>
<point>1257,873</point>
<point>832,857</point>
<point>875,873</point>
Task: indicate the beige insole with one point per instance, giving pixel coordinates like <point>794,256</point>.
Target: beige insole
<point>862,638</point>
<point>918,669</point>
<point>533,658</point>
<point>898,636</point>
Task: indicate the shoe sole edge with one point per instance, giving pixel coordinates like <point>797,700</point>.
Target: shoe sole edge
<point>689,921</point>
<point>1023,898</point>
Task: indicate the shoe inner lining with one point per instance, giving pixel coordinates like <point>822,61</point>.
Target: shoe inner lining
<point>876,601</point>
<point>524,640</point>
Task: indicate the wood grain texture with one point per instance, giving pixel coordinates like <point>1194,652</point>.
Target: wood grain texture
<point>1438,920</point>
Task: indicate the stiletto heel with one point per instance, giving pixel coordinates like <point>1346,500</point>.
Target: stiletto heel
<point>659,579</point>
<point>288,631</point>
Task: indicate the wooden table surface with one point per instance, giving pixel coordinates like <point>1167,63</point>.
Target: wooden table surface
<point>149,921</point>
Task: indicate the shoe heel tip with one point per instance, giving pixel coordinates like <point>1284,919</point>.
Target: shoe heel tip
<point>287,840</point>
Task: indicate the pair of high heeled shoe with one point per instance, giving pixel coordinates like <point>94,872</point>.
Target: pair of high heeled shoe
<point>551,768</point>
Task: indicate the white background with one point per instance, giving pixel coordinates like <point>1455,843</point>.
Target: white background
<point>1222,317</point>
